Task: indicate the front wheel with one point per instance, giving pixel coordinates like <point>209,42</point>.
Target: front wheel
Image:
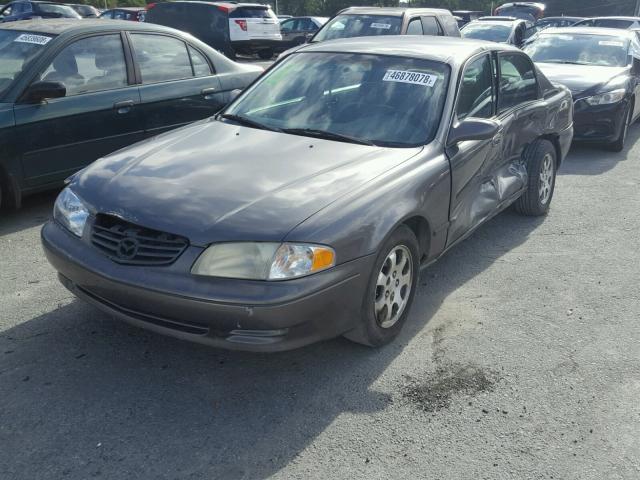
<point>265,54</point>
<point>618,144</point>
<point>390,292</point>
<point>541,162</point>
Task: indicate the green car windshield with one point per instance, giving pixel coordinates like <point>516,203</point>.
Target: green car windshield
<point>17,49</point>
<point>382,100</point>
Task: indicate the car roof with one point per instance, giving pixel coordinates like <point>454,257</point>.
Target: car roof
<point>394,11</point>
<point>133,9</point>
<point>612,32</point>
<point>635,19</point>
<point>58,26</point>
<point>495,22</point>
<point>451,50</point>
<point>563,17</point>
<point>229,5</point>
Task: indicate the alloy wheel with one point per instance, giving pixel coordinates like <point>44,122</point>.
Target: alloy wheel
<point>393,286</point>
<point>545,185</point>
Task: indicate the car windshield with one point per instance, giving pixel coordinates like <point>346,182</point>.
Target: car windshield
<point>483,31</point>
<point>600,50</point>
<point>606,23</point>
<point>17,49</point>
<point>383,100</point>
<point>347,25</point>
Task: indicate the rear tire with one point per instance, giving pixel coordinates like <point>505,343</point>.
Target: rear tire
<point>390,292</point>
<point>541,161</point>
<point>618,144</point>
<point>265,54</point>
<point>230,53</point>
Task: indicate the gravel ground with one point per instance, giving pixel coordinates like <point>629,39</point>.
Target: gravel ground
<point>520,360</point>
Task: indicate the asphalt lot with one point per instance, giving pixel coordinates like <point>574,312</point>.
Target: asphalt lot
<point>520,360</point>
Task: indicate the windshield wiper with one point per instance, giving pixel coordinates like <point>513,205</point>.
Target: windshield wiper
<point>247,122</point>
<point>312,132</point>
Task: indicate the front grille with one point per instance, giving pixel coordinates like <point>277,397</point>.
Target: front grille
<point>131,244</point>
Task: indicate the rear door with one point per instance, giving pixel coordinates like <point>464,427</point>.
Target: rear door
<point>253,23</point>
<point>98,115</point>
<point>178,82</point>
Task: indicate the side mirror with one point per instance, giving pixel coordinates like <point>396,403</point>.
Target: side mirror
<point>472,129</point>
<point>635,65</point>
<point>39,91</point>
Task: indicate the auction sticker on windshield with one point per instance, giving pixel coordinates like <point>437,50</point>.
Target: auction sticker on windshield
<point>404,76</point>
<point>384,26</point>
<point>609,43</point>
<point>30,38</point>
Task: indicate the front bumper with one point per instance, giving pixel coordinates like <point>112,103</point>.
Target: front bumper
<point>600,124</point>
<point>227,313</point>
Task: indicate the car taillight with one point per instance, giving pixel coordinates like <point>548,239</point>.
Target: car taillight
<point>150,6</point>
<point>242,24</point>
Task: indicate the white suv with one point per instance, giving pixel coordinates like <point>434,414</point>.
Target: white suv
<point>254,28</point>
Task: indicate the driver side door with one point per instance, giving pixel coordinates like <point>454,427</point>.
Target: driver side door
<point>473,196</point>
<point>98,115</point>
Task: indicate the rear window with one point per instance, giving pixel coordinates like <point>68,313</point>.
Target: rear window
<point>612,23</point>
<point>252,12</point>
<point>353,25</point>
<point>53,9</point>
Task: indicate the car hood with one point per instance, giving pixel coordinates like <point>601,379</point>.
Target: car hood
<point>580,78</point>
<point>215,181</point>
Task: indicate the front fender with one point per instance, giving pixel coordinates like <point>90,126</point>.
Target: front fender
<point>357,224</point>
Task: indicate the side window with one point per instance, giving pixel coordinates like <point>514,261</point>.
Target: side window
<point>8,10</point>
<point>430,26</point>
<point>89,65</point>
<point>475,96</point>
<point>307,25</point>
<point>287,25</point>
<point>517,81</point>
<point>201,67</point>
<point>161,58</point>
<point>415,27</point>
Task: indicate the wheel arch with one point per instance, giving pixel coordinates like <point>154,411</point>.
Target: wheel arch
<point>420,227</point>
<point>555,141</point>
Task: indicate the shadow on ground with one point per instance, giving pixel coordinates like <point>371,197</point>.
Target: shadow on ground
<point>84,396</point>
<point>593,160</point>
<point>35,210</point>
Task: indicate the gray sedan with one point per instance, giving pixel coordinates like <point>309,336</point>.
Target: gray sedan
<point>306,209</point>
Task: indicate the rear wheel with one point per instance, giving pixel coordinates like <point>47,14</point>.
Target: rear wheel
<point>265,54</point>
<point>541,163</point>
<point>390,292</point>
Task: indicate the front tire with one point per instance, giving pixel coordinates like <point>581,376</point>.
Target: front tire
<point>618,144</point>
<point>541,160</point>
<point>390,292</point>
<point>265,54</point>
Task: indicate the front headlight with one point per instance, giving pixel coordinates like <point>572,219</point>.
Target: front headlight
<point>70,212</point>
<point>263,261</point>
<point>606,98</point>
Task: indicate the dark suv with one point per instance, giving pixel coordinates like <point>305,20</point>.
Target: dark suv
<point>229,27</point>
<point>27,10</point>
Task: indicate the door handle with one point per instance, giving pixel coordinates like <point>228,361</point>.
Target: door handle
<point>123,107</point>
<point>207,92</point>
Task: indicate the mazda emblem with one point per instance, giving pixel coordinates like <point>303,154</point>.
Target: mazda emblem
<point>127,248</point>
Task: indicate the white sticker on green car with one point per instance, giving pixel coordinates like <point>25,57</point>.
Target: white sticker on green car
<point>415,78</point>
<point>383,26</point>
<point>610,43</point>
<point>30,38</point>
